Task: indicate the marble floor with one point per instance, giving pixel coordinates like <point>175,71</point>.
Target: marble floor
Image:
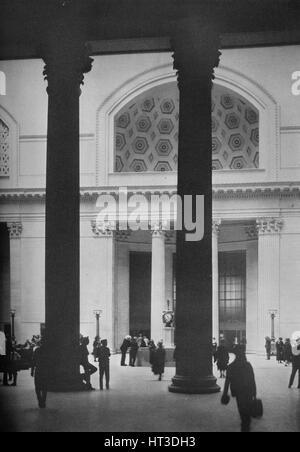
<point>137,402</point>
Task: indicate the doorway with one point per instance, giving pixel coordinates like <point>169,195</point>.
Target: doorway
<point>140,293</point>
<point>232,296</point>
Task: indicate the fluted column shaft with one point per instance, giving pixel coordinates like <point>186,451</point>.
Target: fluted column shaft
<point>268,275</point>
<point>158,285</point>
<point>15,233</point>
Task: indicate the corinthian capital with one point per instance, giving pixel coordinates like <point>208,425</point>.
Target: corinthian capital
<point>102,229</point>
<point>269,225</point>
<point>158,230</point>
<point>15,230</point>
<point>216,226</point>
<point>66,61</point>
<point>196,50</point>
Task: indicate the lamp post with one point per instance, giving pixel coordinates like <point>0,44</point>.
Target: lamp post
<point>98,313</point>
<point>13,315</point>
<point>273,313</point>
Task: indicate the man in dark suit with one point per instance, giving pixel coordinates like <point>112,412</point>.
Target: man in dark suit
<point>134,347</point>
<point>39,371</point>
<point>240,378</point>
<point>124,348</point>
<point>103,355</point>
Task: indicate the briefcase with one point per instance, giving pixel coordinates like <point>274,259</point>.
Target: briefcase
<point>257,409</point>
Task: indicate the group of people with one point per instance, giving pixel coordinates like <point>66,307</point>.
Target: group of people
<point>157,353</point>
<point>286,353</point>
<point>15,357</point>
<point>282,349</point>
<point>102,355</point>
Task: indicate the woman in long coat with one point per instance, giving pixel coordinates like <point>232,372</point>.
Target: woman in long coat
<point>159,360</point>
<point>222,358</point>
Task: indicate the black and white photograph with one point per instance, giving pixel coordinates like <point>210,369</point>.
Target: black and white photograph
<point>149,219</point>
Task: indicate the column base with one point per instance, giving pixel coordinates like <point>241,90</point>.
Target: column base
<point>67,384</point>
<point>189,385</point>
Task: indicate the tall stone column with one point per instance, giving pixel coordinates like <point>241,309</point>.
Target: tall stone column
<point>215,263</point>
<point>196,55</point>
<point>122,311</point>
<point>66,62</point>
<point>269,230</point>
<point>15,233</point>
<point>104,265</point>
<point>158,291</point>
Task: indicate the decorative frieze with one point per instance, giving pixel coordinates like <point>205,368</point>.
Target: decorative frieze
<point>15,230</point>
<point>269,225</point>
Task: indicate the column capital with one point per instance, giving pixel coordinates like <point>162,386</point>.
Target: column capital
<point>216,226</point>
<point>252,231</point>
<point>66,61</point>
<point>196,51</point>
<point>15,229</point>
<point>102,229</point>
<point>158,230</point>
<point>269,225</point>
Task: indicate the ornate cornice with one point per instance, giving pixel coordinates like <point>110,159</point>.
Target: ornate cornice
<point>15,229</point>
<point>220,191</point>
<point>269,225</point>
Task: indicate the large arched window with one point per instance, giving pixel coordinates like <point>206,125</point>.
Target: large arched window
<point>146,131</point>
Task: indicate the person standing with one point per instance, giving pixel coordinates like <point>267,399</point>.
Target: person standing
<point>295,363</point>
<point>8,361</point>
<point>159,360</point>
<point>214,347</point>
<point>268,347</point>
<point>288,353</point>
<point>152,348</point>
<point>280,350</point>
<point>89,369</point>
<point>39,371</point>
<point>222,358</point>
<point>124,349</point>
<point>134,347</point>
<point>103,355</point>
<point>241,380</point>
<point>96,345</point>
